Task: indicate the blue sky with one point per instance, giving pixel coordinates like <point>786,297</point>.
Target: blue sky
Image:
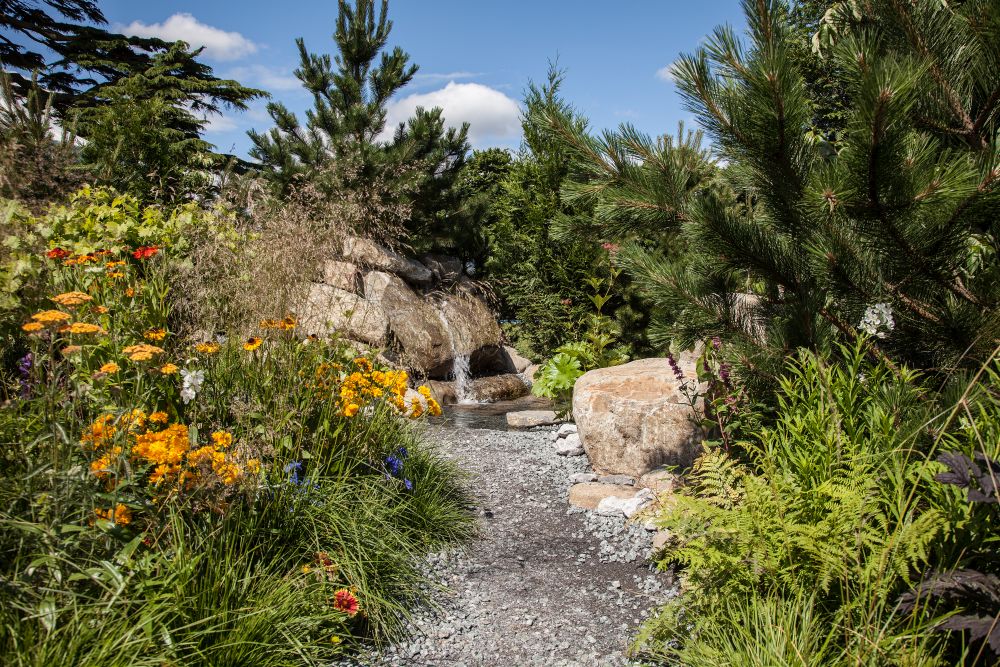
<point>475,57</point>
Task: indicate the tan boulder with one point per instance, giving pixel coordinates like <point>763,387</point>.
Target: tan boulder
<point>635,417</point>
<point>368,253</point>
<point>443,391</point>
<point>413,322</point>
<point>331,310</point>
<point>343,275</point>
<point>589,495</point>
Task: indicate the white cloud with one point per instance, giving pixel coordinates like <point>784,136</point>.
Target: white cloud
<point>269,78</point>
<point>666,73</point>
<point>493,117</point>
<point>434,77</point>
<point>218,123</point>
<point>219,44</point>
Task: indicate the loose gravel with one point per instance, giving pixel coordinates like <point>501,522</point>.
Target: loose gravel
<point>544,583</point>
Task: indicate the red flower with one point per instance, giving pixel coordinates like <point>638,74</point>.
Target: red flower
<point>57,253</point>
<point>344,600</point>
<point>145,252</point>
<point>610,247</point>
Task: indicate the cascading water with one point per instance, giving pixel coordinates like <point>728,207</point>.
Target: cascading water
<point>460,366</point>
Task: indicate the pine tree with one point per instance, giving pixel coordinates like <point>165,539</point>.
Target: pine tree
<point>344,131</point>
<point>890,232</point>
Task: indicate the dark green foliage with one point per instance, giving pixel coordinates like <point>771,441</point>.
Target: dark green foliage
<point>537,275</point>
<point>144,131</point>
<point>802,238</point>
<point>413,172</point>
<point>479,188</point>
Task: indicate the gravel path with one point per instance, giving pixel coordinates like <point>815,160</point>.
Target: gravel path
<point>545,584</point>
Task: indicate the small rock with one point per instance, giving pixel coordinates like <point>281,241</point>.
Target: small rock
<point>567,448</point>
<point>582,477</point>
<point>660,539</point>
<point>661,480</point>
<point>618,479</point>
<point>588,495</point>
<point>565,430</point>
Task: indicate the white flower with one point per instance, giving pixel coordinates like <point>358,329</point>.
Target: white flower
<point>877,320</point>
<point>191,384</point>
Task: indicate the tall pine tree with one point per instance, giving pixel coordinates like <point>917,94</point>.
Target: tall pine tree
<point>343,143</point>
<point>891,231</point>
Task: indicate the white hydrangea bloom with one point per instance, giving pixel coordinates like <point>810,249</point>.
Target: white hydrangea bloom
<point>877,320</point>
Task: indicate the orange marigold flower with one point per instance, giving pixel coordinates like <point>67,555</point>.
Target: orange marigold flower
<point>169,369</point>
<point>157,333</point>
<point>351,410</point>
<point>71,299</point>
<point>110,367</point>
<point>222,439</point>
<point>288,323</point>
<point>345,601</point>
<point>207,348</point>
<point>119,515</point>
<point>253,343</point>
<point>129,292</point>
<point>33,327</point>
<point>101,309</point>
<point>70,350</point>
<point>159,417</point>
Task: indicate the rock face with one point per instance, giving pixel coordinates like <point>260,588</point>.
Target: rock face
<point>444,269</point>
<point>329,309</point>
<point>633,418</point>
<point>370,254</point>
<point>413,321</point>
<point>474,333</point>
<point>342,275</point>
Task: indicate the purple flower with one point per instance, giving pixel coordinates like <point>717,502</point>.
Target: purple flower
<point>724,375</point>
<point>24,365</point>
<point>678,373</point>
<point>294,469</point>
<point>408,484</point>
<point>716,342</point>
<point>395,465</point>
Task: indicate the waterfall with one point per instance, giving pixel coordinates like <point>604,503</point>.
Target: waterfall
<point>460,372</point>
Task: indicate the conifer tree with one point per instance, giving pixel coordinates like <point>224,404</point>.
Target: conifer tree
<point>344,131</point>
<point>891,232</point>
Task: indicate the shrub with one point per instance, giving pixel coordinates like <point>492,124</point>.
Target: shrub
<point>831,513</point>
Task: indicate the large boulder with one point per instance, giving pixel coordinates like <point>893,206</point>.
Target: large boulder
<point>514,361</point>
<point>328,310</point>
<point>634,417</point>
<point>414,322</point>
<point>445,269</point>
<point>473,332</point>
<point>342,274</point>
<point>368,253</point>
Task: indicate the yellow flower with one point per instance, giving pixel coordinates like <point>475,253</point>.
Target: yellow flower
<point>306,569</point>
<point>119,515</point>
<point>159,417</point>
<point>50,317</point>
<point>157,334</point>
<point>253,343</point>
<point>142,352</point>
<point>71,299</point>
<point>110,367</point>
<point>253,466</point>
<point>82,328</point>
<point>424,391</point>
<point>207,348</point>
<point>335,639</point>
<point>351,410</point>
<point>433,407</point>
<point>168,369</point>
<point>129,292</point>
<point>33,327</point>
<point>222,439</point>
<point>101,310</point>
<point>288,323</point>
<point>116,275</point>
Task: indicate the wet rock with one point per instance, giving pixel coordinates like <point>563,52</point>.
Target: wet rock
<point>497,388</point>
<point>531,418</point>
